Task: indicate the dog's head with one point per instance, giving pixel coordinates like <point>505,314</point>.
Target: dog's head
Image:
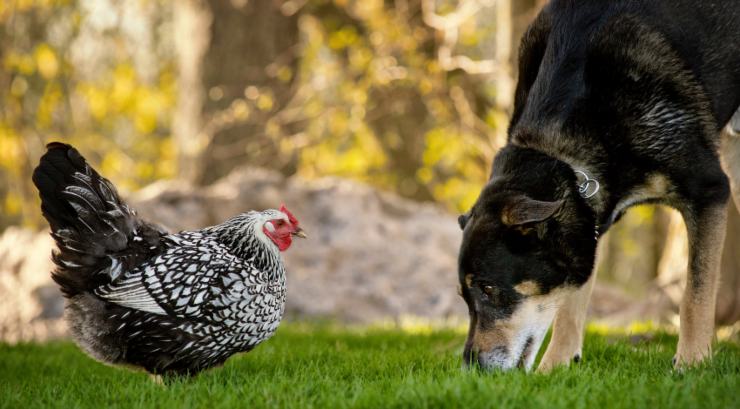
<point>519,258</point>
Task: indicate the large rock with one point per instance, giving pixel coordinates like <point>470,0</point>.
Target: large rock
<point>30,303</point>
<point>370,255</point>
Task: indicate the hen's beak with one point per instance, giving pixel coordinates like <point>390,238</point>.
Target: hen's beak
<point>300,233</point>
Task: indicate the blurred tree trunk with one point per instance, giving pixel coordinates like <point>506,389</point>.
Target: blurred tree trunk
<point>521,14</point>
<point>192,21</point>
<point>672,269</point>
<point>728,298</point>
<point>237,67</point>
<point>513,17</point>
<point>631,250</point>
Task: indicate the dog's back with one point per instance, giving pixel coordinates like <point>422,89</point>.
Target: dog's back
<point>704,36</point>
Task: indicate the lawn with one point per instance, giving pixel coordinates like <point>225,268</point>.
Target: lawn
<point>327,366</point>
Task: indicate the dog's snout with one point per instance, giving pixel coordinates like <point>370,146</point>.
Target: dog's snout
<point>496,358</point>
<point>470,356</point>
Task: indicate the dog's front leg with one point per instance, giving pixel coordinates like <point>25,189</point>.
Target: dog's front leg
<point>567,329</point>
<point>706,232</point>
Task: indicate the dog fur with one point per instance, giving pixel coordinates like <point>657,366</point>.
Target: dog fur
<point>618,103</point>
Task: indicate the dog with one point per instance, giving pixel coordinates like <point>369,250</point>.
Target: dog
<point>618,103</point>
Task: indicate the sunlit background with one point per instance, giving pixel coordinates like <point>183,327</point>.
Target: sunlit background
<point>411,97</point>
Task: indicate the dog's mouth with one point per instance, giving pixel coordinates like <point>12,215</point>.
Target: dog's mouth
<point>526,351</point>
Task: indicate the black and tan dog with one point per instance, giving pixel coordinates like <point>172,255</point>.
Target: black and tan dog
<point>618,103</point>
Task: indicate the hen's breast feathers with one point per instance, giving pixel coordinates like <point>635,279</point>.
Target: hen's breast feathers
<point>197,279</point>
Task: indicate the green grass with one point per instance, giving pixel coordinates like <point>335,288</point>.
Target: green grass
<point>326,366</point>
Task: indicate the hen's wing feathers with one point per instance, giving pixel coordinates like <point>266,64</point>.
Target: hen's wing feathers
<point>97,234</point>
<point>130,292</point>
<point>198,282</point>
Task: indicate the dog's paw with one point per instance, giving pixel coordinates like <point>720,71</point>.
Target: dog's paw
<point>684,360</point>
<point>547,365</point>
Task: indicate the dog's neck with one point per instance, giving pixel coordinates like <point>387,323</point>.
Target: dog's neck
<point>593,188</point>
<point>588,180</point>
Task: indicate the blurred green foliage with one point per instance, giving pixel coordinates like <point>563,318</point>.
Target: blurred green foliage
<point>391,116</point>
<point>50,89</point>
<point>375,105</point>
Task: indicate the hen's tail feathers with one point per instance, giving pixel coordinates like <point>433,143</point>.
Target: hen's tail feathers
<point>93,228</point>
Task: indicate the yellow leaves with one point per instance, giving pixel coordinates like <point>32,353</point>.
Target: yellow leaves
<point>124,84</point>
<point>96,99</point>
<point>469,34</point>
<point>338,124</point>
<point>10,149</point>
<point>144,170</point>
<point>436,145</point>
<point>265,101</point>
<point>497,119</point>
<point>239,110</point>
<point>20,63</point>
<point>425,175</point>
<point>262,98</point>
<point>460,191</point>
<point>359,58</point>
<point>353,80</point>
<point>121,97</point>
<point>13,203</point>
<point>343,38</point>
<point>46,61</point>
<point>123,94</point>
<point>112,162</point>
<point>43,60</point>
<point>18,87</point>
<point>106,108</point>
<point>149,103</point>
<point>49,103</point>
<point>425,86</point>
<point>284,73</point>
<point>11,164</point>
<point>450,169</point>
<point>166,159</point>
<point>357,156</point>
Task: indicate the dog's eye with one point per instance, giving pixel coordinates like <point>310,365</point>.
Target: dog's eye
<point>489,290</point>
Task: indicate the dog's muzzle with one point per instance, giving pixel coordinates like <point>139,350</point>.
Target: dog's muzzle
<point>500,357</point>
<point>514,342</point>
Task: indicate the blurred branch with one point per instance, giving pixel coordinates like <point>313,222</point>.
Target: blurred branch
<point>449,26</point>
<point>470,120</point>
<point>292,7</point>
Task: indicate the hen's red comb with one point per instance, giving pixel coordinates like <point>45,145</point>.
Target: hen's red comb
<point>291,218</point>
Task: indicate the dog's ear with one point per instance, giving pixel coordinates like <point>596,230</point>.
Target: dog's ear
<point>523,210</point>
<point>462,220</point>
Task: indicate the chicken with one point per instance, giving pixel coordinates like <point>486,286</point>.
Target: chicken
<point>168,303</point>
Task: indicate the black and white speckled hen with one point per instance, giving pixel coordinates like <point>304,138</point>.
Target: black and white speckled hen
<point>169,303</point>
